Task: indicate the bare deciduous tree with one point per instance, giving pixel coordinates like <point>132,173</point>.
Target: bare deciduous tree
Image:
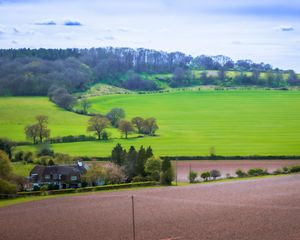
<point>98,124</point>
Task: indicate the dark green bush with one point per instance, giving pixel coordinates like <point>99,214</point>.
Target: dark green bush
<point>240,173</point>
<point>85,189</point>
<point>295,169</point>
<point>36,188</point>
<point>33,193</point>
<point>192,176</point>
<point>278,171</point>
<point>71,138</point>
<point>124,185</point>
<point>215,173</point>
<point>286,170</point>
<point>62,191</point>
<point>205,175</point>
<point>45,150</point>
<point>53,187</point>
<point>28,157</point>
<point>138,179</point>
<point>19,156</point>
<point>7,187</point>
<point>142,179</point>
<point>89,189</point>
<point>167,177</point>
<point>257,172</point>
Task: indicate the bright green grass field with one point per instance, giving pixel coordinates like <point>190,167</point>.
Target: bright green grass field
<point>234,122</point>
<point>17,112</point>
<point>22,169</point>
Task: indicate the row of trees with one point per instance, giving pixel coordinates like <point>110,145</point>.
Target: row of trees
<point>39,131</point>
<point>38,71</point>
<point>99,123</point>
<point>185,77</point>
<point>205,175</point>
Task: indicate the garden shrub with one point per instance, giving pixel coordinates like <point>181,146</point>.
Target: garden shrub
<point>62,191</point>
<point>32,193</point>
<point>44,189</point>
<point>278,171</point>
<point>138,179</point>
<point>19,156</point>
<point>53,187</point>
<point>257,172</point>
<point>167,177</point>
<point>85,189</point>
<point>295,169</point>
<point>215,173</point>
<point>205,175</point>
<point>7,187</point>
<point>240,173</point>
<point>286,170</point>
<point>192,176</point>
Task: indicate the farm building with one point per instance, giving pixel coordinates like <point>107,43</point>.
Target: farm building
<point>58,175</point>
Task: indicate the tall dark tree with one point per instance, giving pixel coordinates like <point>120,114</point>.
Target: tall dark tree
<point>118,155</point>
<point>149,152</point>
<point>131,163</point>
<point>6,146</point>
<point>141,160</point>
<point>167,174</point>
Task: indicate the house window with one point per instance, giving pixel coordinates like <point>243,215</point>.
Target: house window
<point>47,177</point>
<point>73,178</point>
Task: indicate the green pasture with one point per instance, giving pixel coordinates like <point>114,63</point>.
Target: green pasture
<point>17,112</point>
<point>22,169</point>
<point>256,122</point>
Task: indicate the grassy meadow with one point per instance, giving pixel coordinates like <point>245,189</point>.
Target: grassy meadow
<point>17,112</point>
<point>22,169</point>
<point>256,122</point>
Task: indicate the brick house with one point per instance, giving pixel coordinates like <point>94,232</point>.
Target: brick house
<point>59,175</point>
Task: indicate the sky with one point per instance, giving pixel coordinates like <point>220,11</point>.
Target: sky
<point>260,30</point>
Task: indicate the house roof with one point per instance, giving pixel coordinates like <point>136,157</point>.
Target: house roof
<point>57,169</point>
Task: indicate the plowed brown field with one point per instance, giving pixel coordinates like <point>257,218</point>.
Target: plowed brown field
<point>228,166</point>
<point>265,209</point>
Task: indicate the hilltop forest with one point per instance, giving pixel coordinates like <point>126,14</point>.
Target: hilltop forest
<point>39,72</point>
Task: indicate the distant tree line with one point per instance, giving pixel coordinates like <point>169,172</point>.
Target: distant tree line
<point>38,72</point>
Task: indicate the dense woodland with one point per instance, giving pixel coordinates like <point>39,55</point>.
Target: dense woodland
<point>43,71</point>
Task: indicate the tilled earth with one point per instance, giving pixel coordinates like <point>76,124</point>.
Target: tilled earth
<point>228,166</point>
<point>262,209</point>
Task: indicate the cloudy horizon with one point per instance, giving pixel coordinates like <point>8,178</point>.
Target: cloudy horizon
<point>263,31</point>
